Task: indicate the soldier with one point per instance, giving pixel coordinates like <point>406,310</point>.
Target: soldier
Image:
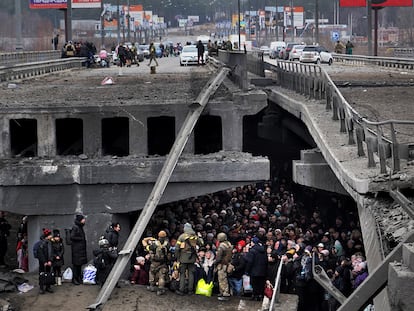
<point>160,258</point>
<point>223,259</point>
<point>186,254</point>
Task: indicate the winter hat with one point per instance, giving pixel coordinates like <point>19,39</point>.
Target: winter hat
<point>46,232</point>
<point>256,240</point>
<point>240,245</point>
<point>56,233</point>
<point>187,227</point>
<point>79,217</point>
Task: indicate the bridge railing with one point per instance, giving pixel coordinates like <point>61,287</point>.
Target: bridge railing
<point>11,58</point>
<point>26,70</point>
<point>390,62</point>
<point>314,82</point>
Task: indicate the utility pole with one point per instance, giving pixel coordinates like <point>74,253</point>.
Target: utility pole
<point>238,22</point>
<point>68,28</point>
<point>102,25</point>
<point>292,20</point>
<point>317,21</point>
<point>18,12</point>
<point>277,21</point>
<point>118,16</point>
<point>369,21</point>
<point>128,23</point>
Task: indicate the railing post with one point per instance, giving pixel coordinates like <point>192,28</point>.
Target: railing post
<point>351,139</point>
<point>395,150</point>
<point>371,146</point>
<point>342,128</point>
<point>383,158</point>
<point>360,135</point>
<point>335,107</point>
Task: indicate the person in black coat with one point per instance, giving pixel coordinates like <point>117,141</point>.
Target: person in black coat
<point>45,257</point>
<point>256,267</point>
<point>58,249</point>
<point>103,261</point>
<point>79,252</point>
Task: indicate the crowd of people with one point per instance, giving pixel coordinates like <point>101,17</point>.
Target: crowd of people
<point>231,236</point>
<point>232,239</point>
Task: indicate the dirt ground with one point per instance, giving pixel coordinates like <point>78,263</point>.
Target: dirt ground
<point>126,298</point>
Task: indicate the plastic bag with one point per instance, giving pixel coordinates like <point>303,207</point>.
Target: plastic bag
<point>67,275</point>
<point>203,288</point>
<point>247,287</point>
<point>89,275</point>
<point>268,290</point>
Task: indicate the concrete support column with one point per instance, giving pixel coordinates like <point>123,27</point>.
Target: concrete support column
<point>138,135</point>
<point>4,138</point>
<point>232,125</point>
<point>46,136</point>
<point>92,136</point>
<point>179,121</point>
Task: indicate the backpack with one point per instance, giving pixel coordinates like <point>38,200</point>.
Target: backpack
<point>99,261</point>
<point>68,233</point>
<point>36,247</point>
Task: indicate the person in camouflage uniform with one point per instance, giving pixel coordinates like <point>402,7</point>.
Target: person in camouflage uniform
<point>223,259</point>
<point>160,258</point>
<point>186,254</point>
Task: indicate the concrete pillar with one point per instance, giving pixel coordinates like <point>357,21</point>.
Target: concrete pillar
<point>4,138</point>
<point>138,135</point>
<point>232,133</point>
<point>92,136</point>
<point>46,136</point>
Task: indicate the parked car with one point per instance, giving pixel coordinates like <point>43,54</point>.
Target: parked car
<point>189,55</point>
<point>284,52</point>
<point>144,48</point>
<point>265,49</point>
<point>316,54</point>
<point>275,48</point>
<point>296,52</point>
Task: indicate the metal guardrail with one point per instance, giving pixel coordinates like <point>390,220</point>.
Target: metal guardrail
<point>313,81</point>
<point>27,70</point>
<point>390,62</point>
<point>12,58</point>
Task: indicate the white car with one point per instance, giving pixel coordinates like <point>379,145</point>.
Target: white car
<point>315,54</point>
<point>265,49</point>
<point>189,55</point>
<point>296,52</point>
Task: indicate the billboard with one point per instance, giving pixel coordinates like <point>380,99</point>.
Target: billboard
<point>62,4</point>
<point>363,3</point>
<point>86,4</point>
<point>47,4</point>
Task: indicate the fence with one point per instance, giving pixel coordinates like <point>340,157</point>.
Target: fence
<point>11,58</point>
<point>314,82</point>
<point>21,71</point>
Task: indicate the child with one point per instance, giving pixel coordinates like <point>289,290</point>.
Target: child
<point>58,249</point>
<point>139,274</point>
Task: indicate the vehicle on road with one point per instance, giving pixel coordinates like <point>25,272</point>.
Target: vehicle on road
<point>275,48</point>
<point>316,54</point>
<point>296,52</point>
<point>265,49</point>
<point>189,55</point>
<point>284,52</point>
<point>144,48</point>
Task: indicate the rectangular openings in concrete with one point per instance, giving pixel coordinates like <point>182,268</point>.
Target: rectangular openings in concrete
<point>161,135</point>
<point>23,137</point>
<point>115,136</point>
<point>208,136</point>
<point>69,136</point>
